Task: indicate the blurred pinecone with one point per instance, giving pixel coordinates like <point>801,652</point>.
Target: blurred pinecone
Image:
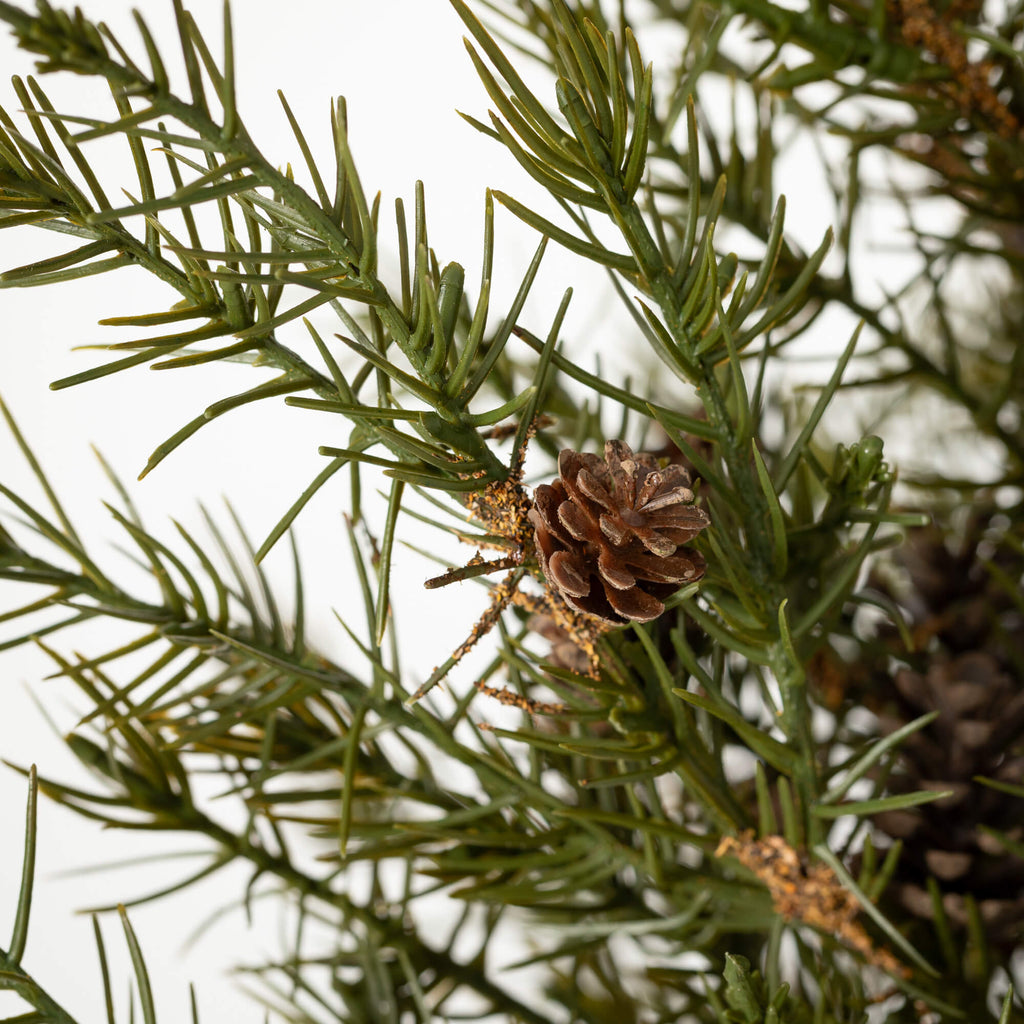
<point>962,602</point>
<point>979,731</point>
<point>608,533</point>
<point>961,588</point>
<point>565,652</point>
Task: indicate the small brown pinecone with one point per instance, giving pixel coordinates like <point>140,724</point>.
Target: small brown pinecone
<point>608,533</point>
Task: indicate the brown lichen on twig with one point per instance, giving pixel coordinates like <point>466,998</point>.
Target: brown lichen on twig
<point>518,700</point>
<point>809,893</point>
<point>970,87</point>
<point>503,507</point>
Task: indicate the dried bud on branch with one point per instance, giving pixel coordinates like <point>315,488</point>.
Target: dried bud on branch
<point>608,533</point>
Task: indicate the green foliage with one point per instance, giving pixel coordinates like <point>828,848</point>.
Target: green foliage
<point>596,825</point>
<point>14,977</point>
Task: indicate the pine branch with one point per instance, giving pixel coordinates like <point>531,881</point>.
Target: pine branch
<point>13,976</point>
<point>693,332</point>
<point>614,813</point>
<point>332,240</point>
